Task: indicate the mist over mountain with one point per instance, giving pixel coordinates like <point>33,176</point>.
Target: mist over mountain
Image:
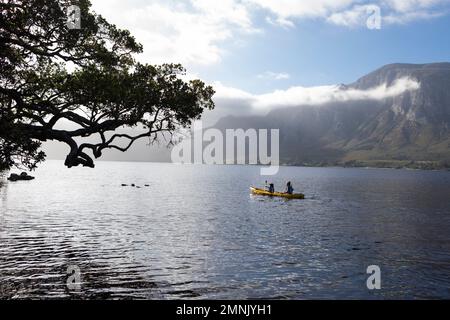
<point>413,125</point>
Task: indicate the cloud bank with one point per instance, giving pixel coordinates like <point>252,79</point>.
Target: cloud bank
<point>238,102</point>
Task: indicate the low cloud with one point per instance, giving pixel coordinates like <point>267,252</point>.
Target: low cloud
<point>233,101</point>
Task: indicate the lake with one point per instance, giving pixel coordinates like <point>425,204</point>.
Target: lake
<point>195,232</point>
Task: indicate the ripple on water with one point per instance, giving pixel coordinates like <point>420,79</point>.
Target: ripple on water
<point>195,233</point>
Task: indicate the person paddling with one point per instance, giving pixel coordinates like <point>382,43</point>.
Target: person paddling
<point>269,187</point>
<point>289,188</point>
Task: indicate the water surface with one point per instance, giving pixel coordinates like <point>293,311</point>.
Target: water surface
<point>196,232</point>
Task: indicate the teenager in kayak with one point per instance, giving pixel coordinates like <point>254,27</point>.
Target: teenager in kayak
<point>289,188</point>
<point>269,187</point>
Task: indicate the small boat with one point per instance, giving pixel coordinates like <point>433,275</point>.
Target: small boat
<point>263,192</point>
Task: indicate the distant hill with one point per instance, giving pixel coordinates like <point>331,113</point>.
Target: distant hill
<point>410,129</point>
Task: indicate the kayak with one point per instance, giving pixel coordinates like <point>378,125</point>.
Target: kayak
<point>262,192</point>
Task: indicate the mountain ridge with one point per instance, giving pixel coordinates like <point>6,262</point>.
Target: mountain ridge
<point>410,127</point>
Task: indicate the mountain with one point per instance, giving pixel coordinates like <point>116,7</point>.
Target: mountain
<point>410,128</point>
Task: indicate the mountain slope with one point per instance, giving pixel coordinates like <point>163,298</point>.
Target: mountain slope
<point>411,126</point>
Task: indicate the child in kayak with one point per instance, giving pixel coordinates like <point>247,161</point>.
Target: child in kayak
<point>289,188</point>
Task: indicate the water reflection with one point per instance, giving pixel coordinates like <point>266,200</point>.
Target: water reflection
<point>195,232</point>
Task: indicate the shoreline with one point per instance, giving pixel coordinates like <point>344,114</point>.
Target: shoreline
<point>362,164</point>
<point>380,164</point>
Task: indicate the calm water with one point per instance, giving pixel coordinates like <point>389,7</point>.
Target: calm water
<point>196,232</point>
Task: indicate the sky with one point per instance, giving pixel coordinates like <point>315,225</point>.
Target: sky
<point>285,50</point>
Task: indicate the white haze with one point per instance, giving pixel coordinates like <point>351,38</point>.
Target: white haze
<point>232,101</point>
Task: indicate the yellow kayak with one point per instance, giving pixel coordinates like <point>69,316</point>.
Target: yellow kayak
<point>262,192</point>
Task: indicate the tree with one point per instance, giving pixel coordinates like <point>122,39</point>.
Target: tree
<point>53,78</point>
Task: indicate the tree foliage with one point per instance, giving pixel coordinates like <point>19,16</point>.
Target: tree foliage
<point>53,78</point>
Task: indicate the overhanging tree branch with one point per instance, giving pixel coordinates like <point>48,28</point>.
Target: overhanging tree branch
<point>106,91</point>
